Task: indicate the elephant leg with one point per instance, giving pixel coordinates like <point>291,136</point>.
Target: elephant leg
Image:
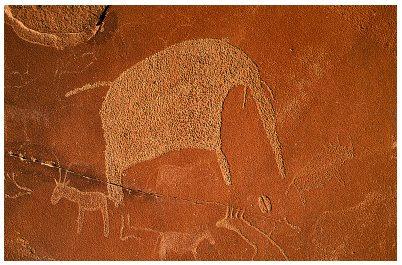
<point>105,216</point>
<point>162,252</point>
<point>113,175</point>
<point>80,220</point>
<point>194,252</point>
<point>223,163</point>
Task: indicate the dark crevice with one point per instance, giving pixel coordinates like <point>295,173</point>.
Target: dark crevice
<point>102,16</point>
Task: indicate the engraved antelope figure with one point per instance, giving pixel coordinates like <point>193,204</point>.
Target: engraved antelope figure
<point>87,201</point>
<point>173,100</point>
<point>256,238</point>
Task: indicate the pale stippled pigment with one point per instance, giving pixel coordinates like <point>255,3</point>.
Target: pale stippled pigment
<point>174,100</point>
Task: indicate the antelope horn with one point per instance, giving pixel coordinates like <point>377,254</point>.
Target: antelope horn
<point>227,211</point>
<point>128,220</point>
<point>65,174</point>
<point>59,175</point>
<point>58,165</point>
<point>242,213</point>
<point>236,213</point>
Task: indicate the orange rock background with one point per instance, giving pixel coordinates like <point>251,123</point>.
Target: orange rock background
<point>332,71</point>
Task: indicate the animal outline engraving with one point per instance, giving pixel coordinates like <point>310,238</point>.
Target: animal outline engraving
<point>172,241</point>
<point>87,201</point>
<point>174,100</point>
<point>235,222</point>
<point>172,177</point>
<point>22,191</point>
<point>179,242</point>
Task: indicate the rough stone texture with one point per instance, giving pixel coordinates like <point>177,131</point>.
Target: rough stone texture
<point>330,76</point>
<point>55,26</point>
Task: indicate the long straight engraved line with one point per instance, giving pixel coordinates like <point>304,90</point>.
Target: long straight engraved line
<point>24,158</point>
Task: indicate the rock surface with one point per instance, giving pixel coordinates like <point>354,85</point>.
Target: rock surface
<point>55,26</point>
<point>328,73</point>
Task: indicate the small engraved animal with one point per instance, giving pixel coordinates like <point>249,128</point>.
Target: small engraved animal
<point>251,234</point>
<point>87,201</point>
<point>182,242</point>
<point>172,177</point>
<point>173,100</point>
<point>22,191</point>
<point>170,241</point>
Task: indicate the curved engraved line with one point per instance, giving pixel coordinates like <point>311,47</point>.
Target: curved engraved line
<point>58,41</point>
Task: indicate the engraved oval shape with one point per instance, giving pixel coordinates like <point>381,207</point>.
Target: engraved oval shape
<point>265,204</point>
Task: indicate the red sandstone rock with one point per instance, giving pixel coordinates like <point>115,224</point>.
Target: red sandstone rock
<point>328,72</point>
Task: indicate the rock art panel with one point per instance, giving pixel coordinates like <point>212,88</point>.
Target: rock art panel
<point>200,133</point>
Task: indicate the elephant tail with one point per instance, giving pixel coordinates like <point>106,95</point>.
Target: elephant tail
<point>88,87</point>
<point>267,115</point>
